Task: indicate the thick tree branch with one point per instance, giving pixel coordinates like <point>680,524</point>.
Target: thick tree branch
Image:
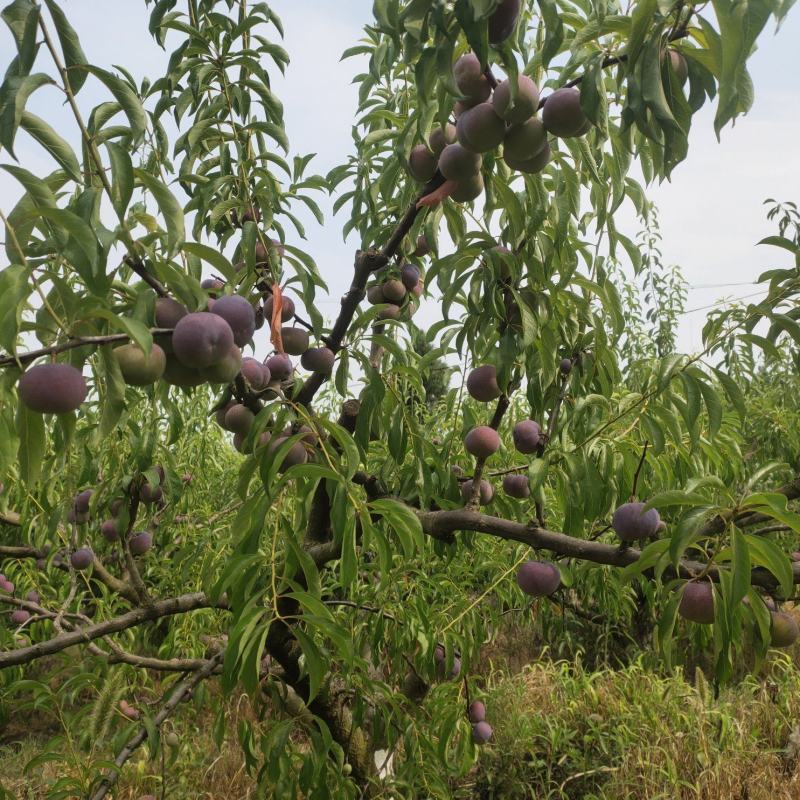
<point>159,609</point>
<point>439,524</point>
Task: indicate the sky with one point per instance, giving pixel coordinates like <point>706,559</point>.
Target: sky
<point>711,213</point>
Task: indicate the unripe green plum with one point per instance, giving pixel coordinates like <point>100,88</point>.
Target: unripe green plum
<point>137,368</point>
<point>679,66</point>
<point>225,370</point>
<point>178,374</point>
<point>52,388</point>
<point>784,629</point>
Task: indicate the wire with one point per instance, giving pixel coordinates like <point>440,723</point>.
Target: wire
<point>723,302</point>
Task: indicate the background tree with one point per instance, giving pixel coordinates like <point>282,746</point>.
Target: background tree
<point>341,569</point>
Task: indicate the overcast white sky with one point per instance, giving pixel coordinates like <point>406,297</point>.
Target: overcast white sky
<point>711,212</point>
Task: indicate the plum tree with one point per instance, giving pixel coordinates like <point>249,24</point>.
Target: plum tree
<point>632,522</point>
<point>482,383</point>
<point>52,388</point>
<point>340,561</point>
<point>697,602</point>
<point>201,339</point>
<point>482,441</point>
<point>527,436</point>
<point>139,368</point>
<point>239,314</point>
<point>538,578</point>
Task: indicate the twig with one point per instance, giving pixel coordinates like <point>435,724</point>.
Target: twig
<point>638,470</point>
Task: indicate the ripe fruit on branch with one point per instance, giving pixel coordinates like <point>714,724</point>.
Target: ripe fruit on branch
<point>440,660</point>
<point>441,137</point>
<point>421,163</point>
<point>482,441</point>
<point>457,163</point>
<point>632,522</point>
<point>20,616</point>
<point>140,543</point>
<point>538,578</point>
<point>482,383</point>
<point>33,596</point>
<point>201,339</point>
<point>562,114</point>
<point>296,454</point>
<point>239,314</point>
<point>697,602</point>
<point>470,80</point>
<point>287,308</point>
<point>52,388</point>
<point>409,276</point>
<point>523,108</point>
<point>678,65</point>
<point>150,494</point>
<point>110,530</point>
<point>503,21</point>
<point>375,295</point>
<point>485,493</point>
<point>467,190</point>
<point>784,629</point>
<point>476,712</point>
<point>532,165</point>
<point>393,291</point>
<point>239,419</point>
<point>481,733</point>
<point>565,367</point>
<point>178,374</point>
<point>255,373</point>
<point>169,312</point>
<point>82,500</point>
<point>479,129</point>
<point>295,340</point>
<point>280,366</point>
<point>527,436</point>
<point>525,141</point>
<point>517,486</point>
<point>390,312</point>
<point>81,558</point>
<point>137,368</point>
<point>225,370</point>
<point>318,359</point>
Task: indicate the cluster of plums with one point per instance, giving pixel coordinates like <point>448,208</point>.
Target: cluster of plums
<point>394,289</point>
<point>481,729</point>
<point>19,616</point>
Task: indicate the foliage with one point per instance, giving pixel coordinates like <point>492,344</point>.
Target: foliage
<point>329,588</point>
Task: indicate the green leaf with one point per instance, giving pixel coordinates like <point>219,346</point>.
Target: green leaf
<point>765,553</point>
<point>405,522</point>
<point>30,429</point>
<point>14,290</point>
<point>14,96</point>
<point>57,146</point>
<point>121,177</point>
<point>213,257</point>
<point>22,18</point>
<point>70,47</point>
<point>740,567</point>
<point>170,209</point>
<point>126,97</point>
